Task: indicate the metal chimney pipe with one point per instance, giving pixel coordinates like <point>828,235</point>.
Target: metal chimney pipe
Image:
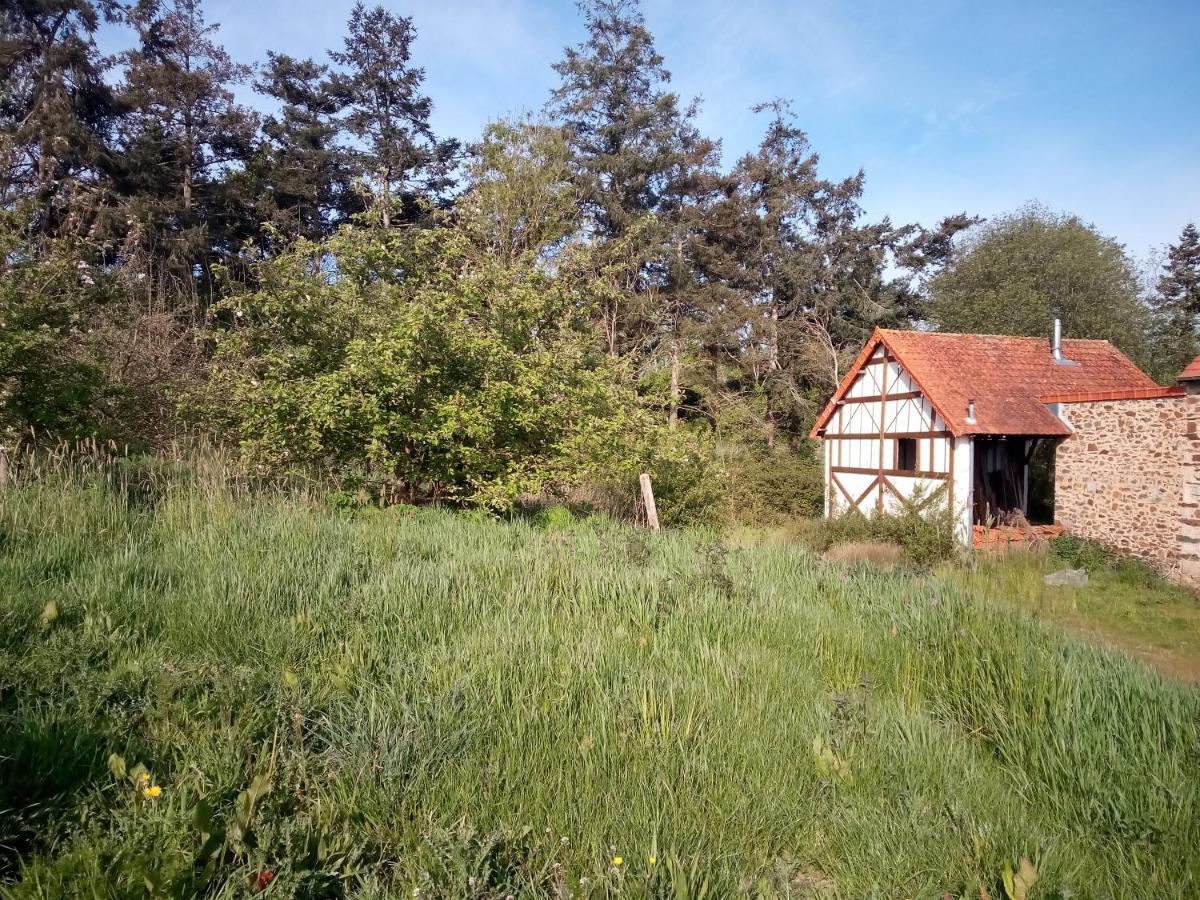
<point>1057,350</point>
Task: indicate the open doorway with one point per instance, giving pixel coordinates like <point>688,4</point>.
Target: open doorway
<point>1013,481</point>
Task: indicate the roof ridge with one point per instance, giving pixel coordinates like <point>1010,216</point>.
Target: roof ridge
<point>1007,337</point>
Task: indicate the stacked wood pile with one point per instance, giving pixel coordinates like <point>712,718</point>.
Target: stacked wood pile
<point>1003,538</point>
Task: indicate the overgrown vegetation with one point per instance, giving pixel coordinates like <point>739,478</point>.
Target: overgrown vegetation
<point>1096,559</point>
<point>924,528</point>
<point>335,291</point>
<point>209,690</point>
<point>1125,603</point>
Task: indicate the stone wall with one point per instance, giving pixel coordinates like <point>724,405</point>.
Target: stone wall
<point>1122,479</point>
<point>1189,511</point>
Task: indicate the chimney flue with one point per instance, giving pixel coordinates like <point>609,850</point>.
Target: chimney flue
<point>1057,348</point>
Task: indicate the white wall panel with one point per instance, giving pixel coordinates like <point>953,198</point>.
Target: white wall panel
<point>898,380</point>
<point>905,416</point>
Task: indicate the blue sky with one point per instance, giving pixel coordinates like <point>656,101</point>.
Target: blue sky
<point>1090,107</point>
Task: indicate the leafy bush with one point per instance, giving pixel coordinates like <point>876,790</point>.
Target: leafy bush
<point>426,368</point>
<point>1079,553</point>
<point>690,486</point>
<point>927,535</point>
<point>82,354</point>
<point>554,518</point>
<point>448,363</point>
<point>49,298</point>
<point>769,485</point>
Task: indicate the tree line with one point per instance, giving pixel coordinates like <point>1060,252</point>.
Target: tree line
<point>326,282</point>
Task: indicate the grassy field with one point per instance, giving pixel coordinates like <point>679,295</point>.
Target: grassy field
<point>1122,606</point>
<point>203,692</point>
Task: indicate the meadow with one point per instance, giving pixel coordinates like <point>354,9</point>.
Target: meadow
<point>216,691</point>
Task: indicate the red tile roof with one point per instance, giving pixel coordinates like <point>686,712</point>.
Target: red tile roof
<point>1191,372</point>
<point>1007,377</point>
<point>1154,393</point>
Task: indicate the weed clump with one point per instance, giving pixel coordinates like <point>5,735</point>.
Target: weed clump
<point>926,536</point>
<point>1080,553</point>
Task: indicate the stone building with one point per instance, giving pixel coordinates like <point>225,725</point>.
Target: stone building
<point>1128,475</point>
<point>960,417</point>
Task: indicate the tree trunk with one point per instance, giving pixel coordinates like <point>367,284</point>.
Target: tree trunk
<point>772,367</point>
<point>673,410</point>
<point>773,339</point>
<point>610,327</point>
<point>385,178</point>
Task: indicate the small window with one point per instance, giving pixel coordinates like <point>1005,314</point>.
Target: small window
<point>906,454</point>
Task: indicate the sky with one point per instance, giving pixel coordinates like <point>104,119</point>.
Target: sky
<point>1089,107</point>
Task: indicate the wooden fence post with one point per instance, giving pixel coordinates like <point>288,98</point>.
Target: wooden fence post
<point>648,500</point>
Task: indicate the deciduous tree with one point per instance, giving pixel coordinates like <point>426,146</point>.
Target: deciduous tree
<point>1018,273</point>
<point>455,362</point>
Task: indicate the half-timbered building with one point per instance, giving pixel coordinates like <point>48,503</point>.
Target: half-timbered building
<point>931,417</point>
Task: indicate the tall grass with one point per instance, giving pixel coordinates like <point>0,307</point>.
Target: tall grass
<point>409,702</point>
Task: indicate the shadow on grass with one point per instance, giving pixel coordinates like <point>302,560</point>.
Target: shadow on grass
<point>47,765</point>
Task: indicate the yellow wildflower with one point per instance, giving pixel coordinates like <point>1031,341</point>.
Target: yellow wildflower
<point>144,778</point>
<point>618,860</point>
<point>653,860</point>
<point>152,792</point>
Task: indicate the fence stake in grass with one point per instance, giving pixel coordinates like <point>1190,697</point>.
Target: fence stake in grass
<point>648,500</point>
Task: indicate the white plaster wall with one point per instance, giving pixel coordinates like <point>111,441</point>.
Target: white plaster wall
<point>827,453</point>
<point>964,467</point>
<point>869,454</point>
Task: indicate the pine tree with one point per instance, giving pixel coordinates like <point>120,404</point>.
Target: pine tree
<point>810,273</point>
<point>301,177</point>
<point>56,110</point>
<point>184,134</point>
<point>380,89</point>
<point>646,177</point>
<point>1177,304</point>
<point>630,136</point>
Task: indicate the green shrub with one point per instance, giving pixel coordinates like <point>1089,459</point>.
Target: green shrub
<point>432,367</point>
<point>689,490</point>
<point>770,485</point>
<point>1079,553</point>
<point>926,532</point>
<point>690,484</point>
<point>554,518</point>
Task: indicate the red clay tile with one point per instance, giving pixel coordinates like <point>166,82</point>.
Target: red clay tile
<point>1007,377</point>
<point>1191,372</point>
<point>1155,393</point>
